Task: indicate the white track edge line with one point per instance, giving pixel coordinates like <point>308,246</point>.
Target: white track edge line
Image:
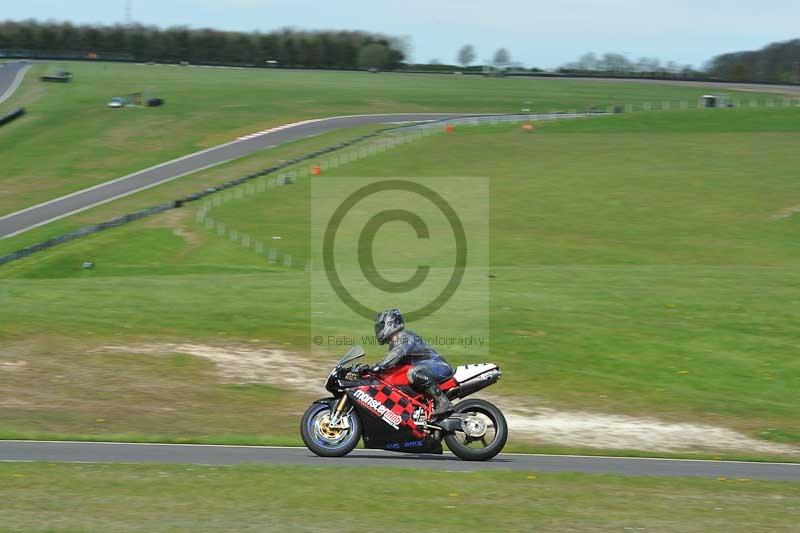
<point>15,84</point>
<point>107,183</point>
<point>187,156</point>
<point>107,200</point>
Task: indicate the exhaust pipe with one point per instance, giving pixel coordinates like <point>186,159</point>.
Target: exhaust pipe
<point>475,384</point>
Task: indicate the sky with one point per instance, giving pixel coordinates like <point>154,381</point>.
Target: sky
<point>543,34</point>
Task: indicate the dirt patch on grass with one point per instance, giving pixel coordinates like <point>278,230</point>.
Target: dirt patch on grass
<point>785,213</point>
<point>176,220</point>
<point>255,364</point>
<point>243,364</point>
<point>12,366</point>
<point>608,431</point>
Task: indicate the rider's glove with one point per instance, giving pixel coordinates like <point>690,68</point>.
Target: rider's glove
<point>362,370</point>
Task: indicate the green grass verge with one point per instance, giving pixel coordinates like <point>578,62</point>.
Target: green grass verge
<point>70,140</point>
<point>183,186</point>
<point>101,497</point>
<point>639,271</point>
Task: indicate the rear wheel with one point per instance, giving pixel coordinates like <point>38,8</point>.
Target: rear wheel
<point>483,433</point>
<point>327,441</point>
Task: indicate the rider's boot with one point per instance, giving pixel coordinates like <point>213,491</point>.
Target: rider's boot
<point>441,404</point>
<point>422,381</point>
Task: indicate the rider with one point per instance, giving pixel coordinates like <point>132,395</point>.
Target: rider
<point>428,367</point>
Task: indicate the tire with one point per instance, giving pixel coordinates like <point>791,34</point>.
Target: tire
<point>318,443</point>
<point>461,449</point>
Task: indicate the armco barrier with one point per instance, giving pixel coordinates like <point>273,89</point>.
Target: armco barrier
<point>13,115</point>
<point>88,230</point>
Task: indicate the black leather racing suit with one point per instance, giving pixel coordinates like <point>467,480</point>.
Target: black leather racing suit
<point>428,367</point>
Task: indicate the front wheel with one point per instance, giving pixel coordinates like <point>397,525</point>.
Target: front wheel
<point>483,433</point>
<point>324,440</point>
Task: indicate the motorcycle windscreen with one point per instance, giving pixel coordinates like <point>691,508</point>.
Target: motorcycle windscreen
<point>352,354</point>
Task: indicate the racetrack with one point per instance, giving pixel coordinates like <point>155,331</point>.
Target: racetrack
<point>11,76</point>
<point>101,452</point>
<point>38,215</point>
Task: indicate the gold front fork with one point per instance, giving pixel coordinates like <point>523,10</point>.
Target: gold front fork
<point>340,407</point>
<point>336,420</point>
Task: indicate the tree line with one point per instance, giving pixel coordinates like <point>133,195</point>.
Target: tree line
<point>776,62</point>
<point>588,63</point>
<point>286,47</point>
<point>621,64</point>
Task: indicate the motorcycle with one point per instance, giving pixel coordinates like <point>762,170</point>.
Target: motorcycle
<point>388,414</point>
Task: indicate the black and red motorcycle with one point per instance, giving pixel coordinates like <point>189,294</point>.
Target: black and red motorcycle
<point>390,415</point>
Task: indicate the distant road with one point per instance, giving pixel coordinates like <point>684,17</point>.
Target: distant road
<point>26,219</point>
<point>756,87</point>
<point>38,215</point>
<point>97,452</point>
<point>11,75</point>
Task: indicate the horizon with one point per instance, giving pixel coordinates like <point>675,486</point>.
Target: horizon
<point>687,34</point>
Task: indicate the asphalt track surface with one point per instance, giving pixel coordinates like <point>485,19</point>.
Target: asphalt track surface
<point>15,223</point>
<point>11,75</point>
<point>131,453</point>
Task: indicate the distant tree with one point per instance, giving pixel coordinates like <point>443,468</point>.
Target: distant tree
<point>739,72</point>
<point>501,58</point>
<point>615,63</point>
<point>466,55</point>
<point>373,56</point>
<point>647,64</point>
<point>672,67</point>
<point>48,37</point>
<point>400,48</point>
<point>774,62</point>
<point>587,61</point>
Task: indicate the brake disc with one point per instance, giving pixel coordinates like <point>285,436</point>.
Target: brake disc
<point>474,426</point>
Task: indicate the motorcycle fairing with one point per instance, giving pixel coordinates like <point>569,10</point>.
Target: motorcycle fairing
<point>391,411</point>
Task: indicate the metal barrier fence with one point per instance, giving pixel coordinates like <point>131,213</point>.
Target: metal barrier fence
<point>11,116</point>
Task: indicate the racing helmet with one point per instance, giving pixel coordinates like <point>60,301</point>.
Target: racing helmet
<point>387,324</point>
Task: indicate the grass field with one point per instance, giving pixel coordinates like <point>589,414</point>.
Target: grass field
<point>70,140</point>
<point>645,265</point>
<point>99,497</point>
<point>182,187</point>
